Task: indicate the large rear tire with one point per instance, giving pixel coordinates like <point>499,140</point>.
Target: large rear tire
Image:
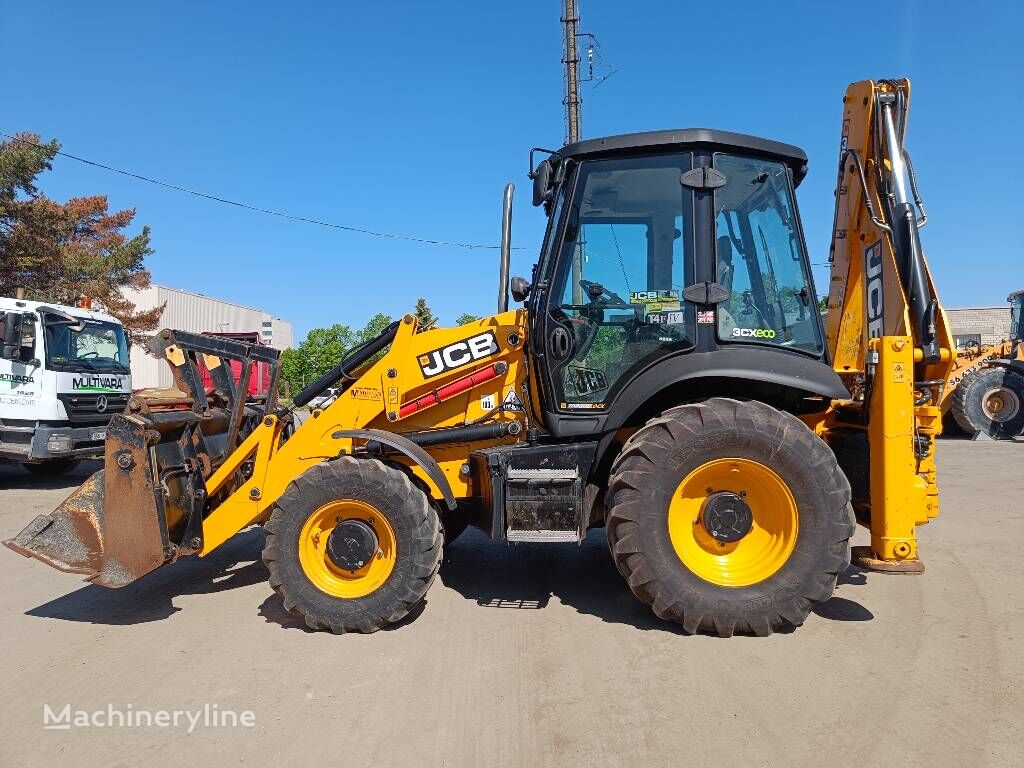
<point>688,484</point>
<point>990,401</point>
<point>370,573</point>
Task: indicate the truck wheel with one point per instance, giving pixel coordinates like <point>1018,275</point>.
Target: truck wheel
<point>352,545</point>
<point>52,467</point>
<point>729,516</point>
<point>990,401</point>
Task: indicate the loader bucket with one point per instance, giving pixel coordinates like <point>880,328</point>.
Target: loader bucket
<point>145,508</point>
<point>111,529</point>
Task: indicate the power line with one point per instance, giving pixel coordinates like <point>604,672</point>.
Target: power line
<point>258,209</point>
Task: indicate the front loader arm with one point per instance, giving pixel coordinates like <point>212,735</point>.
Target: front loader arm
<point>186,469</point>
<point>426,383</point>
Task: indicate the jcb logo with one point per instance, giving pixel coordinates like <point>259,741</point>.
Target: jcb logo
<point>876,293</point>
<point>459,353</point>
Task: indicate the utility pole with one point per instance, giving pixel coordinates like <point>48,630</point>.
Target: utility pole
<point>571,60</point>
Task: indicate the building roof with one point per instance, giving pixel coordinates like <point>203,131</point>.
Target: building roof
<point>686,138</point>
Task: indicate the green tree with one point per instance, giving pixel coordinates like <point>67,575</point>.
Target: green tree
<point>59,251</point>
<point>424,316</point>
<point>465,319</point>
<point>375,326</point>
<point>322,349</point>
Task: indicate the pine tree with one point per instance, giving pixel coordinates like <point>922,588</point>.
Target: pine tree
<point>424,316</point>
<point>60,251</point>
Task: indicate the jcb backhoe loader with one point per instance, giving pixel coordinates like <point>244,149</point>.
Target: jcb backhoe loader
<point>670,377</point>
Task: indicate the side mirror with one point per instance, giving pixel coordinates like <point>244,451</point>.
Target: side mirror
<point>520,289</point>
<point>18,335</point>
<point>542,188</point>
<point>10,335</point>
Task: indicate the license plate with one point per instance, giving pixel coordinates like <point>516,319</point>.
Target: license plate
<point>99,434</point>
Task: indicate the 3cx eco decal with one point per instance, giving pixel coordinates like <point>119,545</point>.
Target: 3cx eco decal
<point>97,383</point>
<point>754,333</point>
<point>457,354</point>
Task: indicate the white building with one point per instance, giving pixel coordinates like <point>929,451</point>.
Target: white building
<point>196,313</point>
<point>979,325</point>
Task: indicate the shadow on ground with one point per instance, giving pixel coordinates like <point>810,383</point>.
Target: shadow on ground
<point>14,476</point>
<point>527,576</point>
<point>494,575</point>
<point>151,598</point>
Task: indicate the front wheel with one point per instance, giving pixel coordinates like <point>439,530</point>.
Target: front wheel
<point>729,516</point>
<point>352,545</point>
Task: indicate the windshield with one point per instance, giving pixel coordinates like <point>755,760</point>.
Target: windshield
<point>99,346</point>
<point>1016,307</point>
<point>760,258</point>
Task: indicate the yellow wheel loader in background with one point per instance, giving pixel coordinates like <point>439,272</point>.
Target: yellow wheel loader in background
<point>670,378</point>
<point>985,390</point>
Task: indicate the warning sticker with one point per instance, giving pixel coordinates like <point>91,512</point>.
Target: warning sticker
<point>899,375</point>
<point>654,297</point>
<point>487,402</point>
<point>512,402</point>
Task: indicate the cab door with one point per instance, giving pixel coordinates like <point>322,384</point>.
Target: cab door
<point>616,277</point>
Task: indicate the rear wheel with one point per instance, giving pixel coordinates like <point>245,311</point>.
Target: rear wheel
<point>729,516</point>
<point>52,467</point>
<point>352,545</point>
<point>990,401</point>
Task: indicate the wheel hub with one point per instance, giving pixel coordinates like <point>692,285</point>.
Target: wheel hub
<point>726,517</point>
<point>1000,404</point>
<point>352,544</point>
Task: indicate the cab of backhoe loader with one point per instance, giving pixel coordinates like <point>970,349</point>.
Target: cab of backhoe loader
<point>674,267</point>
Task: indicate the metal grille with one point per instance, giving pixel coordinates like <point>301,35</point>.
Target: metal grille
<point>84,408</point>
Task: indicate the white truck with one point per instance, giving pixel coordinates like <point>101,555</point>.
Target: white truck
<point>64,371</point>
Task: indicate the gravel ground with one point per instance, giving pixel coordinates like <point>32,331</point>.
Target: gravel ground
<point>529,655</point>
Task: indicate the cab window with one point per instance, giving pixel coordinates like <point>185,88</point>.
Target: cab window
<point>760,259</point>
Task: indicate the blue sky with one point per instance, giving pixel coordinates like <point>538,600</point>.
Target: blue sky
<point>410,117</point>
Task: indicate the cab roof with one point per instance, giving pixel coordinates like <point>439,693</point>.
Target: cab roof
<point>8,304</point>
<point>690,138</point>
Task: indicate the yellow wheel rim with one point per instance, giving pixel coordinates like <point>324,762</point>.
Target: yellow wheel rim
<point>319,567</point>
<point>758,554</point>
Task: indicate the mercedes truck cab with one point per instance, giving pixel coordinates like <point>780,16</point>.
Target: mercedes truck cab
<point>64,371</point>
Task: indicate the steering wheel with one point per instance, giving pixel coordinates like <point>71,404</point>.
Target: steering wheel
<point>87,355</point>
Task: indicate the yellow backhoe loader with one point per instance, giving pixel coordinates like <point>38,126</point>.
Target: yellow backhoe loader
<point>669,378</point>
<point>985,390</point>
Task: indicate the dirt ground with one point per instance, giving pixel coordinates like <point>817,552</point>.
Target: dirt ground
<point>530,655</point>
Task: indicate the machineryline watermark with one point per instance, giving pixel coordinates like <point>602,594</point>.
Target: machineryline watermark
<point>127,716</point>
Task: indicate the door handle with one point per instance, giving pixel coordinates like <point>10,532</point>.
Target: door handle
<point>561,343</point>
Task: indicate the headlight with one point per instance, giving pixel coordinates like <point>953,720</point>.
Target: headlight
<point>59,443</point>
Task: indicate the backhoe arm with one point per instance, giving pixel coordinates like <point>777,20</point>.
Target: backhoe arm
<point>887,334</point>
